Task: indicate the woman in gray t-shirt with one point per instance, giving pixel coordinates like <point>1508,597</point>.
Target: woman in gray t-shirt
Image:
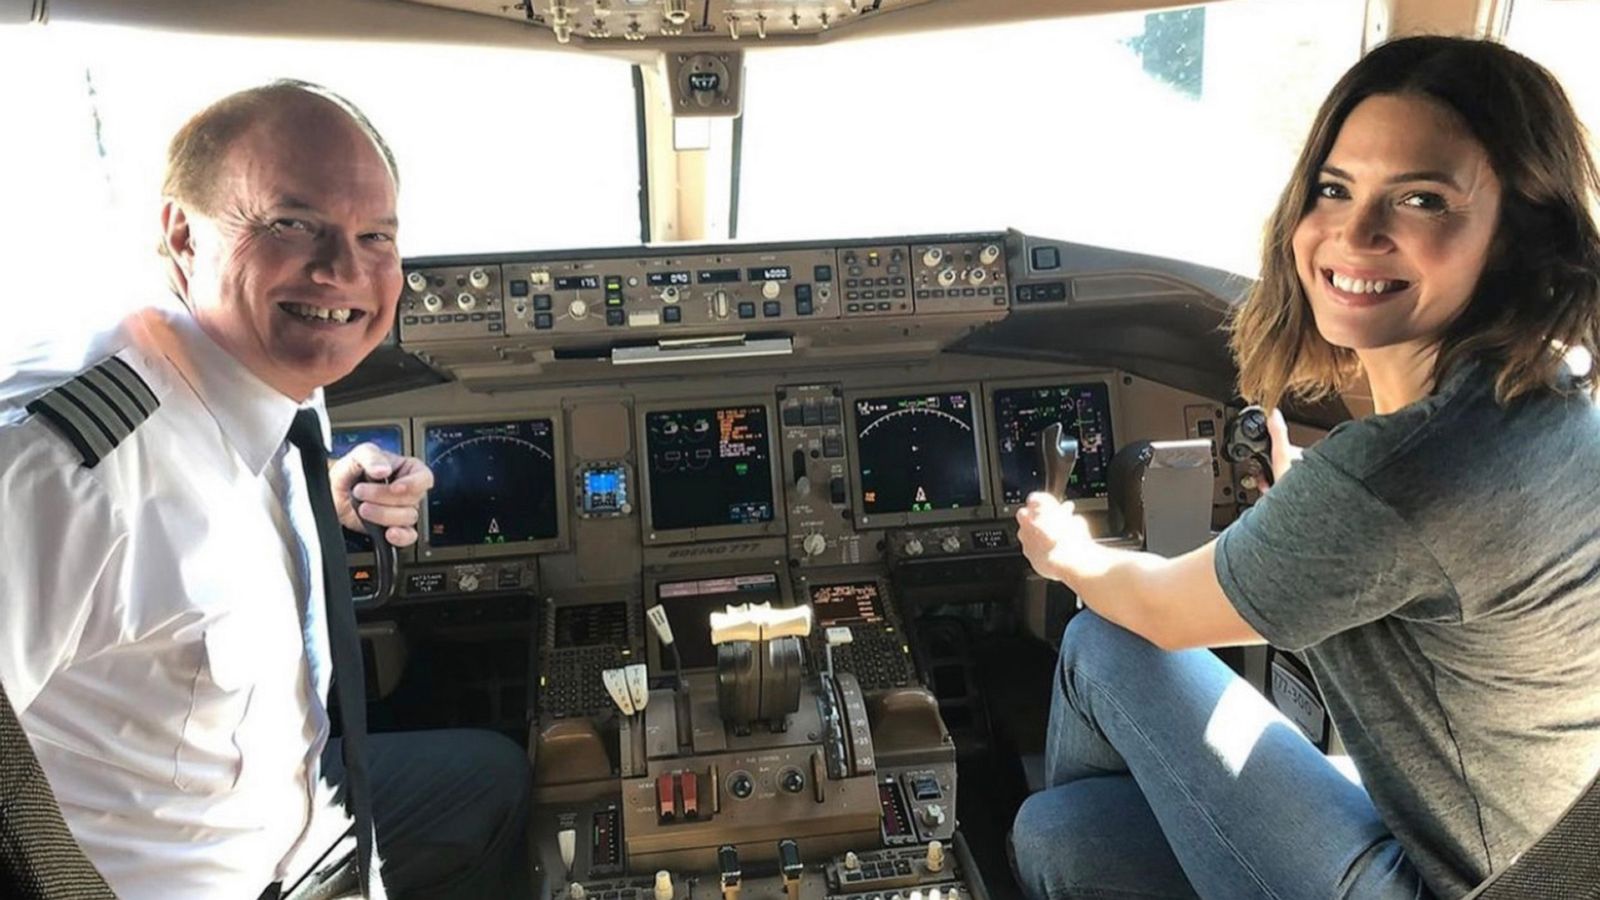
<point>1438,563</point>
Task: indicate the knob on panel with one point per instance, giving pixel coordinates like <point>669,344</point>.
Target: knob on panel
<point>432,303</point>
<point>416,281</point>
<point>478,278</point>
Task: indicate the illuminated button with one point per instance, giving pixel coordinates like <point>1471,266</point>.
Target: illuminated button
<point>772,309</point>
<point>747,310</point>
<point>543,320</point>
<point>616,317</point>
<point>672,314</point>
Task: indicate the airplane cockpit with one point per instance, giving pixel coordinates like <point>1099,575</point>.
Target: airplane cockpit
<point>723,523</point>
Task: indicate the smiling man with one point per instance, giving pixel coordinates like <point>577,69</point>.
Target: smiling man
<point>164,629</point>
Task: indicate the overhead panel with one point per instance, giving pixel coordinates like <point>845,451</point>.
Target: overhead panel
<point>641,20</point>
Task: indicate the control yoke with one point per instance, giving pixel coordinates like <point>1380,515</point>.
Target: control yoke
<point>1058,454</point>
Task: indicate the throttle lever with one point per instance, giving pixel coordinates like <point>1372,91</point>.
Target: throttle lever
<point>1058,454</point>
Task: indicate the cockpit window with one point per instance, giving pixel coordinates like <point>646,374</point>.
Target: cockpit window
<point>498,149</point>
<point>1560,36</point>
<point>1168,133</point>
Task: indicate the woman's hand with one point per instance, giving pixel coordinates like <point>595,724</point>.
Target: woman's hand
<point>1284,453</point>
<point>1056,540</point>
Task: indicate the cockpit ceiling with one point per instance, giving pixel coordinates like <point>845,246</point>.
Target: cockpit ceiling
<point>640,20</point>
<point>756,21</point>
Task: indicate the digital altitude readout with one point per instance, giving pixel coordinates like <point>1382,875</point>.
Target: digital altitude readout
<point>390,439</point>
<point>918,453</point>
<point>709,467</point>
<point>494,482</point>
<point>771,273</point>
<point>1020,414</point>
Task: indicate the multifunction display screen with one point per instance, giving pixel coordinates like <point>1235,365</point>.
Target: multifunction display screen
<point>709,467</point>
<point>918,453</point>
<point>1020,414</point>
<point>855,603</point>
<point>389,438</point>
<point>494,482</point>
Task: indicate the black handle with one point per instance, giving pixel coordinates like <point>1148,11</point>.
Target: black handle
<point>1058,454</point>
<point>388,562</point>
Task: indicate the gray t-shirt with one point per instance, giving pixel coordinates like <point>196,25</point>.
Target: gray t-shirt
<point>1440,567</point>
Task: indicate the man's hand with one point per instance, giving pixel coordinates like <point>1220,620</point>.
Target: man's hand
<point>392,505</point>
<point>1284,454</point>
<point>1057,541</point>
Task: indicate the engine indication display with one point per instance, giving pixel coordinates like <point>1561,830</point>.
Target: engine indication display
<point>390,439</point>
<point>1021,413</point>
<point>709,467</point>
<point>494,482</point>
<point>918,453</point>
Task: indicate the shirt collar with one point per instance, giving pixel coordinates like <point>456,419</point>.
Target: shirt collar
<point>253,415</point>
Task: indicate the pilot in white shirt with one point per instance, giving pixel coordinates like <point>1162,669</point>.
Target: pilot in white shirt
<point>162,631</point>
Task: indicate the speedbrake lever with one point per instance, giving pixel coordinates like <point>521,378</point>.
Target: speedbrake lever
<point>1058,454</point>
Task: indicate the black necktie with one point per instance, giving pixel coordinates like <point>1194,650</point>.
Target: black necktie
<point>348,675</point>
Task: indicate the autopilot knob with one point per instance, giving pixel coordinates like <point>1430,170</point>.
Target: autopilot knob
<point>951,544</point>
<point>933,815</point>
<point>578,309</point>
<point>771,290</point>
<point>719,304</point>
<point>913,547</point>
<point>851,861</point>
<point>814,544</point>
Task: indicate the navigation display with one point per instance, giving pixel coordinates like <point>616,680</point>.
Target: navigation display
<point>854,603</point>
<point>689,605</point>
<point>709,467</point>
<point>1021,413</point>
<point>494,482</point>
<point>390,439</point>
<point>918,453</point>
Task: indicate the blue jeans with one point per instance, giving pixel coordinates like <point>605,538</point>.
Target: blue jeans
<point>1168,776</point>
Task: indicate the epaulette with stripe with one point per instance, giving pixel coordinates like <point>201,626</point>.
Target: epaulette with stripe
<point>97,410</point>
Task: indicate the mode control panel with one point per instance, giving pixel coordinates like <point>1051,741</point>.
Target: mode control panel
<point>452,302</point>
<point>753,289</point>
<point>960,276</point>
<point>713,289</point>
<point>816,475</point>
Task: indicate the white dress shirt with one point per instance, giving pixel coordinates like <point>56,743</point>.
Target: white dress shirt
<point>161,626</point>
